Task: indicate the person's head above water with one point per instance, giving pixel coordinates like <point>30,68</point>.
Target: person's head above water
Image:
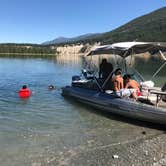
<point>24,87</point>
<point>51,87</point>
<point>24,92</point>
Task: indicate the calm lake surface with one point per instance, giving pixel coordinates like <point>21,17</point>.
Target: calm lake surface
<point>47,129</point>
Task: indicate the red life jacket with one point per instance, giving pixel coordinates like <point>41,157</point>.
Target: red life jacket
<point>24,93</point>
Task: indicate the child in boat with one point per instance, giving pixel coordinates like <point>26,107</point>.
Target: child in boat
<point>131,84</point>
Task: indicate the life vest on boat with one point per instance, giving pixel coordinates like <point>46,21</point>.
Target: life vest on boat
<point>24,93</point>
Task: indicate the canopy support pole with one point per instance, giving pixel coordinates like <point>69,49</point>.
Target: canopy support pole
<point>100,87</point>
<point>94,77</point>
<point>110,75</point>
<point>163,56</point>
<point>159,69</point>
<point>124,62</point>
<point>141,77</point>
<point>108,78</point>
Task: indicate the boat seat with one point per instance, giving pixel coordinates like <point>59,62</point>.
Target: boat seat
<point>154,97</point>
<point>159,95</point>
<point>149,99</point>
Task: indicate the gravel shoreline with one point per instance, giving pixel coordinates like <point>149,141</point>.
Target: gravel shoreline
<point>142,152</point>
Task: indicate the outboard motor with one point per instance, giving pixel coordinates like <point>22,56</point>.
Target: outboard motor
<point>84,72</point>
<point>164,90</point>
<point>76,78</point>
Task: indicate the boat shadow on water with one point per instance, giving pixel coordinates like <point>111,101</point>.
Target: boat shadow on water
<point>116,117</point>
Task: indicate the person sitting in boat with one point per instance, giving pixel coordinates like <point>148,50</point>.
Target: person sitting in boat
<point>132,85</point>
<point>117,80</point>
<point>105,69</point>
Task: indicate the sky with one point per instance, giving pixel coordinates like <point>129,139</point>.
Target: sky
<point>37,21</point>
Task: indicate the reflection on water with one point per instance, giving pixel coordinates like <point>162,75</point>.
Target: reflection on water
<point>46,128</point>
<point>72,59</point>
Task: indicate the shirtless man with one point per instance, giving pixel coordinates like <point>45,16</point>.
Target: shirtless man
<point>131,84</point>
<point>117,80</point>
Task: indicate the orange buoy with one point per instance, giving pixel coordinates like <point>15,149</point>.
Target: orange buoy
<point>24,92</point>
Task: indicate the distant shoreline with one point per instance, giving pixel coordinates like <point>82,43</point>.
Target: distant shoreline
<point>27,54</point>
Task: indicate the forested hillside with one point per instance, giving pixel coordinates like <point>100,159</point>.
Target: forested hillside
<point>150,27</point>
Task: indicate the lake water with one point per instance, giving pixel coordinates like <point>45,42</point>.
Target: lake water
<point>47,129</point>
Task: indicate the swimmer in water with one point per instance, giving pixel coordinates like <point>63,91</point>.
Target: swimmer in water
<point>51,87</point>
<point>24,92</point>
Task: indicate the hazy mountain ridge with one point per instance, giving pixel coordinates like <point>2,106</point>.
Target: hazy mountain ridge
<point>74,39</point>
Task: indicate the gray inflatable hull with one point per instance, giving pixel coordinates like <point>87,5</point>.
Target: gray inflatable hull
<point>116,105</point>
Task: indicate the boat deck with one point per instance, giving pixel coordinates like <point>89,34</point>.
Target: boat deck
<point>162,104</point>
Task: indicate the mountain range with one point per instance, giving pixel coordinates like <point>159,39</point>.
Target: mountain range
<point>149,27</point>
<point>74,39</point>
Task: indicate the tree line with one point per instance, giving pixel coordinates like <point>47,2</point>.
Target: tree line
<point>26,49</point>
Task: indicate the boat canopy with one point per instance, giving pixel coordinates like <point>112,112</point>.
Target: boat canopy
<point>124,49</point>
